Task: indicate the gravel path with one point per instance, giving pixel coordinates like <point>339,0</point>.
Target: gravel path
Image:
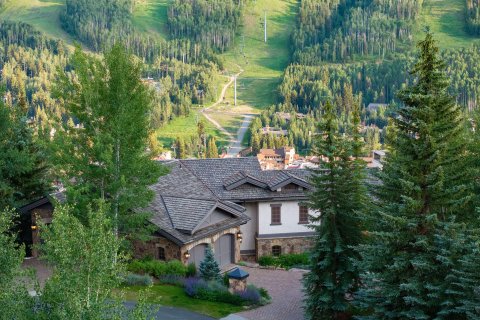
<point>235,145</point>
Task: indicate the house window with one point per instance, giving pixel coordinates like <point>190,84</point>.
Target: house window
<point>303,214</point>
<point>276,251</point>
<point>276,214</point>
<point>161,253</point>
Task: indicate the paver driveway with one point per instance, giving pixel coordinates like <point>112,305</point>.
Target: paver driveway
<point>285,288</point>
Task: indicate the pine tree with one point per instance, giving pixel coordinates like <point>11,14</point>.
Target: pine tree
<point>423,188</point>
<point>209,269</point>
<point>333,274</point>
<point>107,157</point>
<point>212,150</point>
<point>23,169</point>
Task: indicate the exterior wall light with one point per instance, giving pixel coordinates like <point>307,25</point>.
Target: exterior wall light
<point>186,254</point>
<point>34,227</point>
<point>240,236</point>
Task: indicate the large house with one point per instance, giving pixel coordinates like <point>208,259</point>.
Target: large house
<point>242,211</point>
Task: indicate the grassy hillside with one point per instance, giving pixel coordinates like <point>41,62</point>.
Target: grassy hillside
<point>446,19</point>
<point>263,63</point>
<point>186,127</point>
<point>42,14</point>
<point>150,16</point>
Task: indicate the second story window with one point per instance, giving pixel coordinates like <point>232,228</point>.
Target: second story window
<point>276,214</point>
<point>302,214</point>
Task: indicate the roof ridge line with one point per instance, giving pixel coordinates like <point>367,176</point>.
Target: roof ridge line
<point>201,181</point>
<point>189,198</point>
<point>168,212</point>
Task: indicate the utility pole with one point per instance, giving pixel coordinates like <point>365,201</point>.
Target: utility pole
<point>265,26</point>
<point>235,94</point>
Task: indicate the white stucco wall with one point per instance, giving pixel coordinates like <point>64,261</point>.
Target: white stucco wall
<point>250,228</point>
<point>289,218</point>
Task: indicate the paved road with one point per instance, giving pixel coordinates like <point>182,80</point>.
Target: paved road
<point>284,287</point>
<point>236,144</point>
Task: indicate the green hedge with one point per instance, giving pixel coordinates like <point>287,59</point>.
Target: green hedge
<point>157,268</point>
<point>286,261</point>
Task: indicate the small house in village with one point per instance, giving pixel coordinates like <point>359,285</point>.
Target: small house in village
<point>231,204</point>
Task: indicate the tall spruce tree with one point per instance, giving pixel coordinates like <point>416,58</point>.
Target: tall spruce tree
<point>423,190</point>
<point>106,156</point>
<point>337,198</point>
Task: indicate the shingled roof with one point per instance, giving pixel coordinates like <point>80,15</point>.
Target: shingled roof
<point>193,189</point>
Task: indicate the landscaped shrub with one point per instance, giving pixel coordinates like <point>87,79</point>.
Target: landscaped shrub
<point>285,260</point>
<point>209,269</point>
<point>264,293</point>
<point>251,294</point>
<point>157,268</point>
<point>172,279</point>
<point>294,259</point>
<point>225,280</point>
<point>191,270</point>
<point>217,292</point>
<point>266,261</point>
<point>138,280</point>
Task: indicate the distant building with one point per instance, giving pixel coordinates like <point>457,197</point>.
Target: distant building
<point>288,116</point>
<point>276,159</point>
<point>276,132</point>
<point>376,106</point>
<point>376,160</point>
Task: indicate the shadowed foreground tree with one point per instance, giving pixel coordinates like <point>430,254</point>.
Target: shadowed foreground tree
<point>338,198</point>
<point>22,160</point>
<point>86,268</point>
<point>15,303</point>
<point>416,246</point>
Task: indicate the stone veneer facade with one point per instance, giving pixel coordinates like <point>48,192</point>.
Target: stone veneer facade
<point>173,251</point>
<point>288,245</point>
<point>150,248</point>
<point>211,241</point>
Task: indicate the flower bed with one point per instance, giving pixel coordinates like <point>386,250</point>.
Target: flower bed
<point>216,291</point>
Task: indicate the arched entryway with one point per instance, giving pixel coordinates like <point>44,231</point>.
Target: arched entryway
<point>224,250</point>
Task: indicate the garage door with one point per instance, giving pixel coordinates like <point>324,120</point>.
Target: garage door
<point>223,250</point>
<point>197,254</point>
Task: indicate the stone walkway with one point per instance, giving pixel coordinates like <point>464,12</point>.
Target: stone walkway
<point>284,287</point>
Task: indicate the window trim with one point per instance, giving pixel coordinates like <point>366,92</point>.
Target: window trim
<point>300,221</point>
<point>279,206</point>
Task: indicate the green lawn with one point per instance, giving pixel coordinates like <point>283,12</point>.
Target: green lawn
<point>166,295</point>
<point>150,16</point>
<point>446,19</point>
<point>42,14</point>
<point>264,63</point>
<point>186,127</point>
<point>231,122</point>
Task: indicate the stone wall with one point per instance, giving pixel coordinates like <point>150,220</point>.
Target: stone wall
<point>288,245</point>
<point>211,240</point>
<point>150,248</point>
